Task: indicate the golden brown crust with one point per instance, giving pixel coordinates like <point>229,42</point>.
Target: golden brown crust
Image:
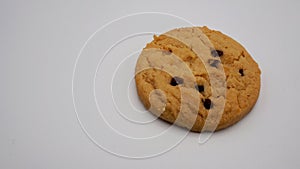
<point>242,79</point>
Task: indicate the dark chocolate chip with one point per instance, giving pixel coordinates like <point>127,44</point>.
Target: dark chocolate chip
<point>216,53</point>
<point>213,63</point>
<point>241,72</point>
<point>200,88</point>
<point>167,52</point>
<point>207,103</point>
<point>176,81</point>
<point>173,82</point>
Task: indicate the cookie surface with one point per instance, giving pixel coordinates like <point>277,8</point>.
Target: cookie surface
<point>197,77</point>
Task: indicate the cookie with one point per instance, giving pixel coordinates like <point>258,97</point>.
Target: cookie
<point>197,78</point>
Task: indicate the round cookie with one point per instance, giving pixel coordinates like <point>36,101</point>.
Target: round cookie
<point>173,73</point>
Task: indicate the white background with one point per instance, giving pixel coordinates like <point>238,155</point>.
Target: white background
<point>40,41</point>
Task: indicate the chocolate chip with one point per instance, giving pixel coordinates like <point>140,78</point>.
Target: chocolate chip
<point>241,72</point>
<point>207,103</point>
<point>213,63</point>
<point>216,53</point>
<point>200,88</point>
<point>173,82</point>
<point>167,52</point>
<point>176,81</point>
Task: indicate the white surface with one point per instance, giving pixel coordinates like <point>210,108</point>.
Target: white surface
<point>39,45</point>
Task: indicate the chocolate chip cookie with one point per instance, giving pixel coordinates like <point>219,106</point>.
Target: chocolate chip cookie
<point>197,78</point>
